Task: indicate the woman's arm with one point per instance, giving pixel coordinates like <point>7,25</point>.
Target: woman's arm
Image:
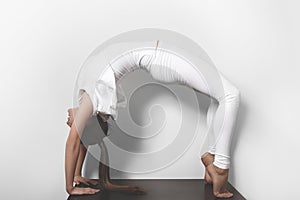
<point>84,112</point>
<point>81,157</point>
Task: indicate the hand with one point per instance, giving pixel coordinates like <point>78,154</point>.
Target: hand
<point>81,191</point>
<point>86,181</point>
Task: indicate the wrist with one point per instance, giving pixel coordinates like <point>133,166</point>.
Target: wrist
<point>69,189</point>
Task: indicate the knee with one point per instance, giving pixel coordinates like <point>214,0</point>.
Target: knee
<point>234,95</point>
<point>231,95</point>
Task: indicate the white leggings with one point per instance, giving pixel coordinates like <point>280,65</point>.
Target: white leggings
<point>168,67</point>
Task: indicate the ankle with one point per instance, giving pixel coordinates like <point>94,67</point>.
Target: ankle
<point>207,159</point>
<point>221,171</point>
<point>212,156</point>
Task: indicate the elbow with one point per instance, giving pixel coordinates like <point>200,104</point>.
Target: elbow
<point>234,96</point>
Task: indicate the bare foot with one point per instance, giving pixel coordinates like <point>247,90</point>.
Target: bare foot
<point>219,179</point>
<point>207,159</point>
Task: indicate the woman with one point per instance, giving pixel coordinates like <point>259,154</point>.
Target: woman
<point>167,67</point>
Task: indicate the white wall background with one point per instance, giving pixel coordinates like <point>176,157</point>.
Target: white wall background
<point>254,43</point>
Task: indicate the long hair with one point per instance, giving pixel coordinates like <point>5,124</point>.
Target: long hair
<point>103,124</point>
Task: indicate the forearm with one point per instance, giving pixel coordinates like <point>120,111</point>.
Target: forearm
<point>81,157</point>
<point>71,157</point>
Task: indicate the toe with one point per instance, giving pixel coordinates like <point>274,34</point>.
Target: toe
<point>224,195</point>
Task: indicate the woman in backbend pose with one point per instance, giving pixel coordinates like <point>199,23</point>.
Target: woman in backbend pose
<point>167,67</point>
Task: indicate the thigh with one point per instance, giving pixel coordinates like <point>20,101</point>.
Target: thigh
<point>173,68</point>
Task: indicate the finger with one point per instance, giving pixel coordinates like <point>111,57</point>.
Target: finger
<point>91,191</point>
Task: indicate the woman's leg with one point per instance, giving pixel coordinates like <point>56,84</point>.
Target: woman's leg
<point>212,135</point>
<point>221,121</point>
<point>224,124</point>
<point>167,67</point>
<point>208,157</point>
